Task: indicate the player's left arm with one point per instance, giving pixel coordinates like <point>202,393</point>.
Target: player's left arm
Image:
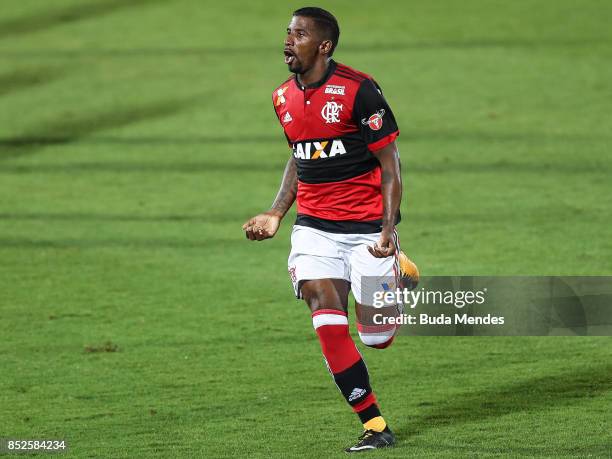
<point>378,129</point>
<point>391,189</point>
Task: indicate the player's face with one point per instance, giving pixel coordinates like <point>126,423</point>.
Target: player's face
<point>301,45</point>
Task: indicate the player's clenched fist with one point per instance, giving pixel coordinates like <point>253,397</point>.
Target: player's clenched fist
<point>262,226</point>
<point>385,247</point>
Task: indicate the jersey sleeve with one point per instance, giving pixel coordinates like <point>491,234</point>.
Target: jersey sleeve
<point>274,107</point>
<point>373,116</point>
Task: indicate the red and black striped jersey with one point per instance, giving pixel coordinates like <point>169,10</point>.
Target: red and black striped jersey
<point>334,129</point>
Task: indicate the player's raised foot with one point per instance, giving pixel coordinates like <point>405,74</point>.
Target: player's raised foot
<point>408,271</point>
<point>370,439</point>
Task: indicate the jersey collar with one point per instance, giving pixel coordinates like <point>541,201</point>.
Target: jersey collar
<point>330,71</point>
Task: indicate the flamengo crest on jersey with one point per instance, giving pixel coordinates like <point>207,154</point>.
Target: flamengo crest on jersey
<point>331,112</point>
<point>316,150</point>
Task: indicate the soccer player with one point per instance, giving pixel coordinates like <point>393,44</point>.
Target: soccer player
<point>345,174</point>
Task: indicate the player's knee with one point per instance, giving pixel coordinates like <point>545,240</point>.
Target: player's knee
<point>324,294</point>
<point>315,302</point>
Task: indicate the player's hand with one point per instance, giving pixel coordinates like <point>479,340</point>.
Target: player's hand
<point>262,226</point>
<point>385,247</point>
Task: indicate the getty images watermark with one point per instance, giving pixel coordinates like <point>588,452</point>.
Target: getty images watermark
<point>413,298</point>
<point>494,305</point>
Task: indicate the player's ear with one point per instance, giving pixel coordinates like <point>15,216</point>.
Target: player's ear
<point>325,47</point>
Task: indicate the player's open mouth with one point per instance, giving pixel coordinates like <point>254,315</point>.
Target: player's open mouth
<point>289,57</point>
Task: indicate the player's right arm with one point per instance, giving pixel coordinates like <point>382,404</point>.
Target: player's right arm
<point>265,225</point>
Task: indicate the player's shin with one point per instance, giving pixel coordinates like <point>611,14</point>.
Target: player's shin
<point>347,366</point>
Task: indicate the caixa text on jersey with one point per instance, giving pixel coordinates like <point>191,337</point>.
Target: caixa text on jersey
<point>316,150</point>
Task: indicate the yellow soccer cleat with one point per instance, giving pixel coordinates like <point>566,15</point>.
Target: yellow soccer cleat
<point>409,273</point>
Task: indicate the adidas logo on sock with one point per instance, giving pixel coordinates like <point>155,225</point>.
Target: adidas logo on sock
<point>357,392</point>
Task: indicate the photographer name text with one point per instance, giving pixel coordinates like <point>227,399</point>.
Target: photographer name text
<point>441,319</point>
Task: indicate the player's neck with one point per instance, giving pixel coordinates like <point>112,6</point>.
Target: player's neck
<point>315,74</point>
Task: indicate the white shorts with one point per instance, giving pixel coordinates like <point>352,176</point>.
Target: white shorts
<point>317,254</point>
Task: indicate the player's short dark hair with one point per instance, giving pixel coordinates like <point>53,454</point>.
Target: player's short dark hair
<point>325,21</point>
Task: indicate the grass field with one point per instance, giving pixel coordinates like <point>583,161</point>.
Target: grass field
<point>137,136</point>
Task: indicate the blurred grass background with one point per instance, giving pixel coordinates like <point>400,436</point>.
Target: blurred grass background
<point>137,136</point>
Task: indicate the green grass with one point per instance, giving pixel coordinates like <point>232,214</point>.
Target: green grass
<point>135,138</point>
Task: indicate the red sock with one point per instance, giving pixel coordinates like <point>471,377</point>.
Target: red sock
<point>344,360</point>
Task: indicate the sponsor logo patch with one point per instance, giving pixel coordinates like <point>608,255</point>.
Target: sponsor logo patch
<point>334,89</point>
<point>280,98</point>
<point>316,150</point>
<point>375,121</point>
<point>331,112</point>
<point>287,118</point>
